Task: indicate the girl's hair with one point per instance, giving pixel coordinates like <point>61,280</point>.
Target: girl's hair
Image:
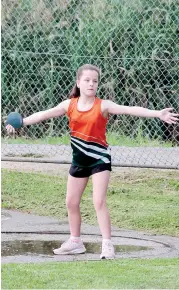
<point>75,92</point>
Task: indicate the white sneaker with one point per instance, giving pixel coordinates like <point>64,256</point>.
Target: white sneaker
<point>107,250</point>
<point>70,247</point>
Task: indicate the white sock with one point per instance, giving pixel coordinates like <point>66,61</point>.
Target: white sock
<point>76,239</point>
<point>106,240</point>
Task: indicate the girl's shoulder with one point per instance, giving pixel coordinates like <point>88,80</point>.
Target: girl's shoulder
<point>66,104</point>
<point>104,108</point>
<point>70,104</point>
<point>104,104</point>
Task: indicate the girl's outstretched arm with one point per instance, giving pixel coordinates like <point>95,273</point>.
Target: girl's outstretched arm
<point>38,117</point>
<point>57,111</point>
<point>165,115</point>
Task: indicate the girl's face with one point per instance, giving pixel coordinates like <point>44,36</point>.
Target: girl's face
<point>88,83</point>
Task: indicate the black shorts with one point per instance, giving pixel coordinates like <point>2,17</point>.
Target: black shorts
<point>80,172</point>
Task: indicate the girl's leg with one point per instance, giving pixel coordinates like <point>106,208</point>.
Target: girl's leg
<point>74,245</point>
<point>75,188</point>
<point>100,184</point>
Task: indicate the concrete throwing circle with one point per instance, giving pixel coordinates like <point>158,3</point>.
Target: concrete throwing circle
<point>27,247</point>
<point>5,216</point>
<point>31,238</point>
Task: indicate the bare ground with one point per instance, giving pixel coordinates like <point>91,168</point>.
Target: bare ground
<point>127,173</point>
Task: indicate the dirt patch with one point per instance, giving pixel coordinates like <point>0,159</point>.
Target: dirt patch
<point>124,173</point>
<point>45,168</point>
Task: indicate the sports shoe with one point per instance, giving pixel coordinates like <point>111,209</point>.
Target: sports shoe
<point>70,247</point>
<point>107,250</point>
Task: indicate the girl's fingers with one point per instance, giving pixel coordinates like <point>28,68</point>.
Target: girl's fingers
<point>171,122</point>
<point>10,129</point>
<point>8,126</point>
<point>168,109</point>
<point>173,119</point>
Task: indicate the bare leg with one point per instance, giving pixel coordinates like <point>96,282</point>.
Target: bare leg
<point>100,184</point>
<point>75,188</point>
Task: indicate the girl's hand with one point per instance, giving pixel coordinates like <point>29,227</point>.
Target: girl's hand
<point>167,116</point>
<point>10,129</point>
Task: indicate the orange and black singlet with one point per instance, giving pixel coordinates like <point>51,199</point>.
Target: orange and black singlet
<point>88,135</point>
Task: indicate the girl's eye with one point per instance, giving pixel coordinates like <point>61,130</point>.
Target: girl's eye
<point>89,80</point>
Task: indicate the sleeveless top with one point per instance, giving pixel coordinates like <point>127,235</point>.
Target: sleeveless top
<point>88,135</point>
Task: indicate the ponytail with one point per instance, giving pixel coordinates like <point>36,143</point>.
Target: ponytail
<point>75,92</point>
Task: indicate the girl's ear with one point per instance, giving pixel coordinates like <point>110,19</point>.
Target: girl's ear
<point>77,83</point>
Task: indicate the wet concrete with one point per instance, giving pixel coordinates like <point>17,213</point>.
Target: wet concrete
<point>32,247</point>
<point>31,238</point>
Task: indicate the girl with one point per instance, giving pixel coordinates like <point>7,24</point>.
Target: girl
<point>88,116</point>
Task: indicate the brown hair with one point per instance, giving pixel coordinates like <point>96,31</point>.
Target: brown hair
<point>75,92</point>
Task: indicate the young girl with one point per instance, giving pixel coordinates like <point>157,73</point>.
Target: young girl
<point>88,116</point>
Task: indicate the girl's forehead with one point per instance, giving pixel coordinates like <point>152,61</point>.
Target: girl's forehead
<point>90,74</point>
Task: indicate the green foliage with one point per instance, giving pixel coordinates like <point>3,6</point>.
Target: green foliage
<point>134,42</point>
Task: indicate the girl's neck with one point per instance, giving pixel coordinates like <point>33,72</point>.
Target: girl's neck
<point>85,104</point>
<point>86,100</point>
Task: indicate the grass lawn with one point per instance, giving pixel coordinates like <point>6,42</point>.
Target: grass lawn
<point>113,139</point>
<point>143,201</point>
<point>147,200</point>
<point>117,274</point>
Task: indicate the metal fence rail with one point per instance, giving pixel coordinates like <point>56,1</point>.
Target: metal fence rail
<point>134,42</point>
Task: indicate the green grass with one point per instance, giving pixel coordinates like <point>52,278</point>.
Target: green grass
<point>147,200</point>
<point>143,200</point>
<point>113,139</point>
<point>65,140</point>
<point>121,274</point>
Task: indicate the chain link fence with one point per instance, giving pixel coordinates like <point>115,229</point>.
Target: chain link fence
<point>136,45</point>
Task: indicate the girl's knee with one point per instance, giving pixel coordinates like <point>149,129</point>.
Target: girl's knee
<point>71,203</point>
<point>99,203</point>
